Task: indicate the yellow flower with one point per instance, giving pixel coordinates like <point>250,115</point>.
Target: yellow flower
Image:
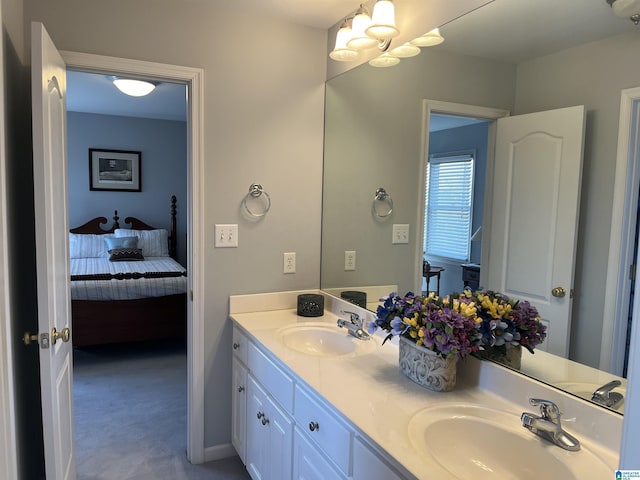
<point>413,334</point>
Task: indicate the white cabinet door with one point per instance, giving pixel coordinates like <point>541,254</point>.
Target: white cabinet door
<point>279,442</point>
<point>269,438</point>
<point>309,463</point>
<point>256,447</point>
<point>239,409</point>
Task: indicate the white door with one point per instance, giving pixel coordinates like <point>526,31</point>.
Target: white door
<point>534,214</point>
<point>52,253</point>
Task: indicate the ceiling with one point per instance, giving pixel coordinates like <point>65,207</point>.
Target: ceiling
<point>510,31</point>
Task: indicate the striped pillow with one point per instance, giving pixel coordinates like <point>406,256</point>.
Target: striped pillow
<point>83,245</point>
<point>153,243</point>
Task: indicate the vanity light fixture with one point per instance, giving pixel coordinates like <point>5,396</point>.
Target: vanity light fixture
<point>133,88</point>
<point>626,9</point>
<point>384,60</point>
<point>342,52</point>
<point>366,31</point>
<point>429,39</point>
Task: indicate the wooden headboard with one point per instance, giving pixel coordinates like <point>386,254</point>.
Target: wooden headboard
<point>94,226</point>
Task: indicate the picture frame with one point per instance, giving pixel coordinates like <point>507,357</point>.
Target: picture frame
<point>115,170</point>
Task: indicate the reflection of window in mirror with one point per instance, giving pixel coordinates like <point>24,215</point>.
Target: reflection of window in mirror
<point>449,205</point>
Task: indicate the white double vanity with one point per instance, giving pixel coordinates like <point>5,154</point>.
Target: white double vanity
<point>310,401</point>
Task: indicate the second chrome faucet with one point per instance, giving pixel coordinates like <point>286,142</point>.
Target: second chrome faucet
<point>353,325</point>
<point>548,425</point>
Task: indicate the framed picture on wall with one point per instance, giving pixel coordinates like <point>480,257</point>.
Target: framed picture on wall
<point>114,170</point>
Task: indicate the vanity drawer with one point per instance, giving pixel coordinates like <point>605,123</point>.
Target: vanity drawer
<point>323,428</point>
<point>239,345</point>
<point>280,384</point>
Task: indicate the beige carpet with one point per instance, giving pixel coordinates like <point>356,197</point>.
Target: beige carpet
<point>131,416</point>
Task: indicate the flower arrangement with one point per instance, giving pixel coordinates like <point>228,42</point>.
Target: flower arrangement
<point>447,326</point>
<point>505,322</point>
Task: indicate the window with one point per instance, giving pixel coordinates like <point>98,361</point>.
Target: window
<point>449,205</point>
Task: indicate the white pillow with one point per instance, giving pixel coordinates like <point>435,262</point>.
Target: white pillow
<point>88,245</point>
<point>153,243</point>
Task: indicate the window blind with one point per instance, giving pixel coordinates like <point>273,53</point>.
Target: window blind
<point>449,206</point>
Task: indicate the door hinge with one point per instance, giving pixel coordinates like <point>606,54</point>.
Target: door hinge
<point>191,295</point>
<point>632,272</point>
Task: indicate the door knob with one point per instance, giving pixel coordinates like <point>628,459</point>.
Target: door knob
<point>63,335</point>
<point>558,292</point>
<point>28,338</point>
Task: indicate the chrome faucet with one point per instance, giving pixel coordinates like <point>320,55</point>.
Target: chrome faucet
<point>353,325</point>
<point>604,395</point>
<point>548,425</point>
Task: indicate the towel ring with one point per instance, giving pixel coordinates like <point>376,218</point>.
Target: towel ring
<point>255,192</point>
<point>382,203</point>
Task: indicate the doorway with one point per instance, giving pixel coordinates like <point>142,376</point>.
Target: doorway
<point>122,391</point>
<point>192,78</point>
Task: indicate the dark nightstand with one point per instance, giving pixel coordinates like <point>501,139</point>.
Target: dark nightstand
<point>471,275</point>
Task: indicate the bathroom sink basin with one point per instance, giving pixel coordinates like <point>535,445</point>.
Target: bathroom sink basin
<point>474,442</point>
<point>323,340</point>
<point>586,389</point>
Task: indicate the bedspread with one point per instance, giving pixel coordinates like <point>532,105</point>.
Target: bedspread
<point>153,277</point>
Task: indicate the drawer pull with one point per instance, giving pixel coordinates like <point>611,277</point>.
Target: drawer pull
<point>240,389</point>
<point>236,346</point>
<point>313,426</point>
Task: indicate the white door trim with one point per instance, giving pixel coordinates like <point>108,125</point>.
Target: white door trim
<point>193,77</point>
<point>435,106</point>
<point>8,446</point>
<point>621,240</point>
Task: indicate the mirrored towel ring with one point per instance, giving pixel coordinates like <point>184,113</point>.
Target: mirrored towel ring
<point>257,202</point>
<point>382,203</point>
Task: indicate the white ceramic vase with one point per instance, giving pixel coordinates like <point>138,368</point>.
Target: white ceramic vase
<point>427,368</point>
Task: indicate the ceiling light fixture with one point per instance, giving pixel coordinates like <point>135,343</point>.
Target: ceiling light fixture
<point>133,88</point>
<point>626,9</point>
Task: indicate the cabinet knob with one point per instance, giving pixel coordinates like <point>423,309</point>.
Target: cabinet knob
<point>260,415</point>
<point>265,421</point>
<point>240,389</point>
<point>236,346</point>
<point>313,426</point>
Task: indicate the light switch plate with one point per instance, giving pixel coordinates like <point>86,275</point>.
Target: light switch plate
<point>400,233</point>
<point>349,260</point>
<point>226,235</point>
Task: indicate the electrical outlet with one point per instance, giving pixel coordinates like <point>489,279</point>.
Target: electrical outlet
<point>289,264</point>
<point>226,235</point>
<point>350,260</point>
<point>400,233</point>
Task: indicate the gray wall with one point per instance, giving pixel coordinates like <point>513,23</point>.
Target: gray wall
<point>263,114</point>
<point>163,147</point>
<point>592,75</point>
<point>373,138</point>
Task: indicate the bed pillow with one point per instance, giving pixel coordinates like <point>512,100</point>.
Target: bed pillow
<point>125,254</point>
<point>87,245</point>
<point>154,243</point>
<point>121,242</point>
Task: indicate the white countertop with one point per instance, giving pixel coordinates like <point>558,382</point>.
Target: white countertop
<point>371,392</point>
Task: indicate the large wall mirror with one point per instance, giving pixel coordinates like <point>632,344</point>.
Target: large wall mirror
<point>516,57</point>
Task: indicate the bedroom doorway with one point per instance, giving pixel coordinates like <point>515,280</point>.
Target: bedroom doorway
<point>189,204</point>
<point>129,362</point>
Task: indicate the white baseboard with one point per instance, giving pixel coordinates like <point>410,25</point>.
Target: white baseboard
<point>219,452</point>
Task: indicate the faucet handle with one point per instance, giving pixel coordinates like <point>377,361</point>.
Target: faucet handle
<point>548,409</point>
<point>355,318</point>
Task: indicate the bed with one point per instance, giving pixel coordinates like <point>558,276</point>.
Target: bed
<point>126,285</point>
